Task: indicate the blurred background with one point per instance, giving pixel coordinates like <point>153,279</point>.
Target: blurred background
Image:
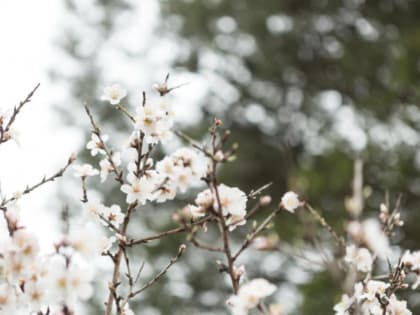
<point>306,87</point>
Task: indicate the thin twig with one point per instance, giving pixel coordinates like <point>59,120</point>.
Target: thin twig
<point>255,232</point>
<point>97,131</point>
<point>125,112</point>
<point>43,181</point>
<point>340,241</point>
<point>192,142</point>
<point>180,229</point>
<point>16,110</point>
<point>174,259</point>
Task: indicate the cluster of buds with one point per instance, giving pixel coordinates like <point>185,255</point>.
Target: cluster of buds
<point>389,219</point>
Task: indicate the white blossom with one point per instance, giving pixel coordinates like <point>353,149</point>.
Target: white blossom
<point>112,215</point>
<point>91,209</point>
<point>234,221</point>
<point>412,262</point>
<point>154,121</point>
<point>343,307</point>
<point>204,199</point>
<point>232,200</point>
<point>95,145</point>
<point>88,240</point>
<point>290,201</point>
<point>26,243</point>
<point>36,295</point>
<point>113,94</point>
<point>126,310</point>
<point>196,212</point>
<point>7,299</point>
<point>85,170</point>
<point>107,167</point>
<point>249,295</point>
<point>69,283</point>
<point>138,189</point>
<point>375,238</point>
<point>183,168</point>
<point>360,257</point>
<point>396,307</point>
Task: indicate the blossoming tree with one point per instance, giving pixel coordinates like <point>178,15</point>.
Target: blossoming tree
<point>37,282</point>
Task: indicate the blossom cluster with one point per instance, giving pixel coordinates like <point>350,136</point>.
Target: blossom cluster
<point>53,281</point>
<point>32,281</point>
<point>31,285</point>
<point>370,242</point>
<point>369,299</point>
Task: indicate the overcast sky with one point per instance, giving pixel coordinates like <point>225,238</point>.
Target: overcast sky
<point>26,30</point>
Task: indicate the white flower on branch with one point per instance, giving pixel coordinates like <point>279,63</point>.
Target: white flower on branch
<point>232,200</point>
<point>375,238</point>
<point>343,307</point>
<point>234,221</point>
<point>36,295</point>
<point>7,299</point>
<point>108,167</point>
<point>359,257</point>
<point>113,94</point>
<point>95,145</point>
<point>87,240</point>
<point>138,189</point>
<point>370,290</point>
<point>26,244</point>
<point>69,283</point>
<point>412,262</point>
<point>249,295</point>
<point>195,211</point>
<point>154,121</point>
<point>126,310</point>
<point>85,170</point>
<point>112,215</point>
<point>166,190</point>
<point>290,201</point>
<point>205,199</point>
<point>91,209</point>
<point>397,307</point>
<point>183,168</point>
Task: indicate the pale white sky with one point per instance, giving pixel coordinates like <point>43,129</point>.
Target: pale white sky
<point>26,30</point>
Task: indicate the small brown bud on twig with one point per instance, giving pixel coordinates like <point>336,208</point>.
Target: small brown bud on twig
<point>217,122</point>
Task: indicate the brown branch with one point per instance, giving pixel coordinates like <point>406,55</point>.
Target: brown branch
<point>339,240</point>
<point>223,227</point>
<point>255,233</point>
<point>180,229</point>
<point>16,111</point>
<point>97,131</point>
<point>115,282</point>
<point>192,142</point>
<point>156,236</point>
<point>200,244</point>
<point>174,259</point>
<point>125,112</point>
<point>258,191</point>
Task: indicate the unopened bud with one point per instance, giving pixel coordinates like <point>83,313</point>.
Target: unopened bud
<point>383,208</point>
<point>219,156</point>
<point>265,200</point>
<point>217,122</point>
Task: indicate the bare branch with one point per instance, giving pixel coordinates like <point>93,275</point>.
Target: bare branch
<point>16,111</point>
<point>43,181</point>
<point>174,259</point>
